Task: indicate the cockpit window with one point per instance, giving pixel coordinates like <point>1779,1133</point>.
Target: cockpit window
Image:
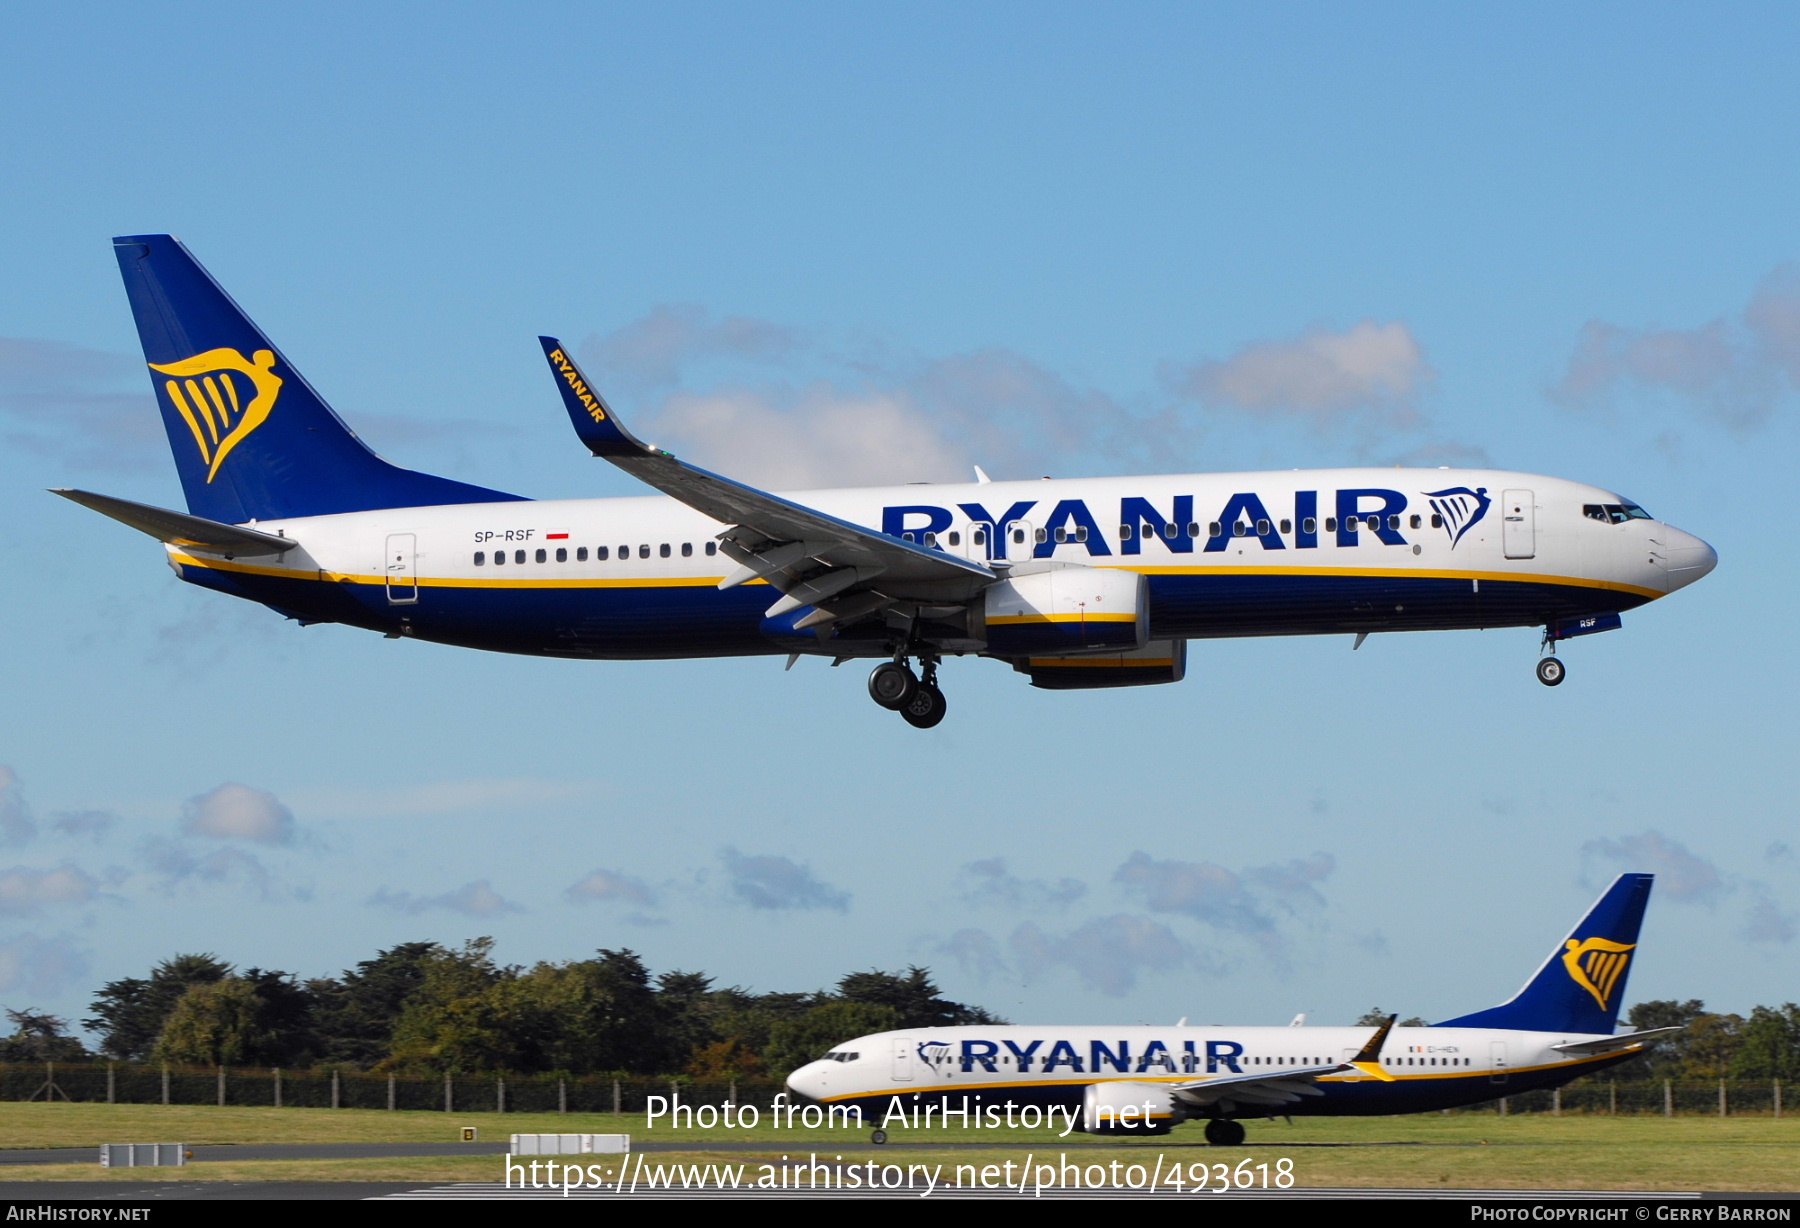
<point>840,1056</point>
<point>1614,513</point>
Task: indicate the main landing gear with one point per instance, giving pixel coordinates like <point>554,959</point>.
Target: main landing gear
<point>918,700</point>
<point>1225,1132</point>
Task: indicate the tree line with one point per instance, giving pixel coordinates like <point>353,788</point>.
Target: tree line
<point>425,1008</point>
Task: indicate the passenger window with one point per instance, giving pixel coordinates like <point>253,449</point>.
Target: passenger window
<point>541,556</point>
<point>1238,528</point>
<point>1043,537</point>
<point>480,557</point>
<point>581,553</point>
<point>499,557</point>
<point>624,553</point>
<point>979,537</point>
<point>1310,524</point>
<point>1331,524</point>
<point>1415,520</point>
<point>1437,521</point>
<point>601,554</point>
<point>956,539</point>
<point>1262,528</point>
<point>712,548</point>
<point>643,551</point>
<point>518,556</point>
<point>1170,531</point>
<point>1393,522</point>
<point>1081,534</point>
<point>1193,529</point>
<point>931,540</point>
<point>1062,535</point>
<point>663,550</point>
<point>687,550</point>
<point>1287,526</point>
<point>562,555</point>
<point>1124,532</point>
<point>1215,529</point>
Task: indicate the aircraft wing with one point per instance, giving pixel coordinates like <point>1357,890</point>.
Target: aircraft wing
<point>844,569</point>
<point>1271,1088</point>
<point>1606,1044</point>
<point>1288,1086</point>
<point>179,528</point>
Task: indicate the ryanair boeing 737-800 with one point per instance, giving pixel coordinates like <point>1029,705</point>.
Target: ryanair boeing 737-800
<point>1107,1080</point>
<point>1077,583</point>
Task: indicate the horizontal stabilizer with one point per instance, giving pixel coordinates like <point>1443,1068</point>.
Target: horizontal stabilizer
<point>179,528</point>
<point>1608,1044</point>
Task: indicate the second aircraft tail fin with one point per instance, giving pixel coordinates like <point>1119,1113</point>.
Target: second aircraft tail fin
<point>1581,985</point>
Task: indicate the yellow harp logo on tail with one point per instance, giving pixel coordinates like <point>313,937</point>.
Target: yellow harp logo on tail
<point>222,396</point>
<point>1596,964</point>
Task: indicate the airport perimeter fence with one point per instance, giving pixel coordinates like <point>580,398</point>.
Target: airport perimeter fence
<point>136,1083</point>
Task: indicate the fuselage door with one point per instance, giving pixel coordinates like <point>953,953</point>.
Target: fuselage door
<point>1496,1061</point>
<point>1518,524</point>
<point>975,540</point>
<point>903,1059</point>
<point>401,567</point>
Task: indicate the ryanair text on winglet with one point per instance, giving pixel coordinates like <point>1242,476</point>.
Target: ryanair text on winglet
<point>577,385</point>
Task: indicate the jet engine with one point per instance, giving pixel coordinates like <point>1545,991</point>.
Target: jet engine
<point>1126,1107</point>
<point>1066,609</point>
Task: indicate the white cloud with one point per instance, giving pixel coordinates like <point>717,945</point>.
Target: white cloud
<point>1681,876</point>
<point>174,864</point>
<point>40,966</point>
<point>778,883</point>
<point>987,883</point>
<point>238,812</point>
<point>820,435</point>
<point>653,351</point>
<point>88,408</point>
<point>613,887</point>
<point>88,824</point>
<point>1731,371</point>
<point>1107,953</point>
<point>476,899</point>
<point>441,797</point>
<point>16,824</point>
<point>976,951</point>
<point>24,891</point>
<point>1768,922</point>
<point>1368,366</point>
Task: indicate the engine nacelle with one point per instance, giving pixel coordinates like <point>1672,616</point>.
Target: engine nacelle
<point>1066,610</point>
<point>1157,661</point>
<point>1125,1107</point>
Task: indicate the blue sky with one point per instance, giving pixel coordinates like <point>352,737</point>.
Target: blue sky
<point>820,243</point>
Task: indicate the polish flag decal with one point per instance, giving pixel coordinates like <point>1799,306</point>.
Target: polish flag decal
<point>557,535</point>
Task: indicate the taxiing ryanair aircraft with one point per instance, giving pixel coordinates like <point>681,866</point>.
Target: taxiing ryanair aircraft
<point>1559,1027</point>
<point>1077,583</point>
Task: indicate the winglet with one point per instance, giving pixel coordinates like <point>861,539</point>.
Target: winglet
<point>1369,1060</point>
<point>595,422</point>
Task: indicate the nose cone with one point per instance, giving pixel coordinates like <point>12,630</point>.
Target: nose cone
<point>1689,558</point>
<point>809,1080</point>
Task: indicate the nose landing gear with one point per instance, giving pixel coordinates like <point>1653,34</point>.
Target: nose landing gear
<point>918,700</point>
<point>1550,671</point>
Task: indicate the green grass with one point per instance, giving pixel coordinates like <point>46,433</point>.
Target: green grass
<point>1465,1150</point>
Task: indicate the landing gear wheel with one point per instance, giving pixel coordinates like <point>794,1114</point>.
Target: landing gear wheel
<point>926,707</point>
<point>1550,671</point>
<point>892,685</point>
<point>879,1137</point>
<point>1224,1132</point>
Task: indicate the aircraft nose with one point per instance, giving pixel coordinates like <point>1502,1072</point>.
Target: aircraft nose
<point>1689,558</point>
<point>808,1081</point>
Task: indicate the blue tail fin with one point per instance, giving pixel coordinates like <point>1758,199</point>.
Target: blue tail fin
<point>1580,986</point>
<point>252,440</point>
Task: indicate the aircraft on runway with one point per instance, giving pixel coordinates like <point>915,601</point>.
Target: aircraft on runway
<point>1076,583</point>
<point>1109,1080</point>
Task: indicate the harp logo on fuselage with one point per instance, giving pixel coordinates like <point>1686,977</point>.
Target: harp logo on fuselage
<point>223,397</point>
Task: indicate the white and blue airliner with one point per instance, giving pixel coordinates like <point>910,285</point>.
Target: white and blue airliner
<point>1145,1080</point>
<point>1076,583</point>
